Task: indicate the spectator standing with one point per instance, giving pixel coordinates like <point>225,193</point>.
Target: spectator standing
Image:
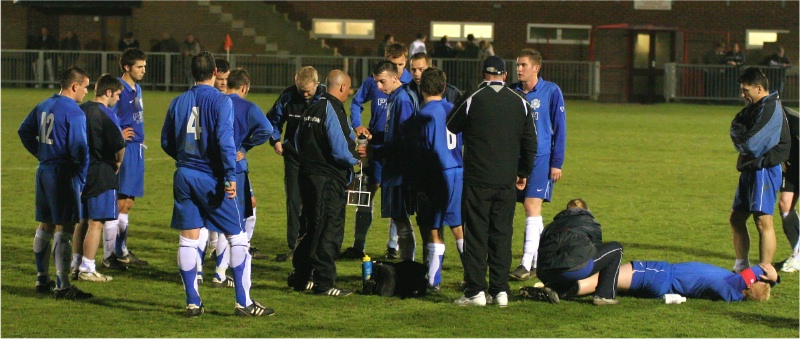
<point>69,44</point>
<point>776,73</point>
<point>167,44</point>
<point>418,46</point>
<point>714,76</point>
<point>760,133</point>
<point>471,48</point>
<point>733,58</point>
<point>486,51</point>
<point>44,41</point>
<point>387,39</point>
<point>189,48</point>
<point>128,42</point>
<point>495,166</point>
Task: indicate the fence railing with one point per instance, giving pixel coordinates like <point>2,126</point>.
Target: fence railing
<point>712,83</point>
<point>170,71</point>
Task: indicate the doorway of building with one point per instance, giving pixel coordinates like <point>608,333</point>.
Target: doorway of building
<point>650,51</point>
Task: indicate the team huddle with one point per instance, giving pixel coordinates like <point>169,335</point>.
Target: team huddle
<point>455,160</point>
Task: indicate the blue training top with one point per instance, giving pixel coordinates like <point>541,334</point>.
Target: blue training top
<point>446,145</point>
<point>547,104</point>
<point>250,127</point>
<point>399,108</point>
<point>130,110</point>
<point>369,92</point>
<point>198,132</point>
<point>55,133</point>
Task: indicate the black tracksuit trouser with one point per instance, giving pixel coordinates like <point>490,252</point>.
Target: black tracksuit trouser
<point>322,220</point>
<point>488,215</point>
<point>293,200</point>
<point>606,261</point>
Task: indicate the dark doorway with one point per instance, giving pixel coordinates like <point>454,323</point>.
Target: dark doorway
<point>650,50</point>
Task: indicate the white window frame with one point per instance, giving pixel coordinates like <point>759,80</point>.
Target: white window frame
<point>463,35</point>
<point>343,23</point>
<point>558,39</point>
<point>747,36</point>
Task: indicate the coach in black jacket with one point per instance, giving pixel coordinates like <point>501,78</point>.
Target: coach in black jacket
<point>326,147</point>
<point>499,147</point>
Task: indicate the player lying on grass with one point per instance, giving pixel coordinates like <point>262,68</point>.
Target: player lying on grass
<point>654,279</point>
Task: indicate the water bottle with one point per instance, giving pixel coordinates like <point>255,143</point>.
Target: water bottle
<point>360,141</point>
<point>674,299</point>
<point>366,268</point>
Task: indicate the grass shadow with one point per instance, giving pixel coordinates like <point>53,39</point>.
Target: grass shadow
<point>764,319</point>
<point>694,251</point>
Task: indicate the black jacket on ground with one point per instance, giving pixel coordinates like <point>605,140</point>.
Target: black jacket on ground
<point>569,241</point>
<point>499,135</point>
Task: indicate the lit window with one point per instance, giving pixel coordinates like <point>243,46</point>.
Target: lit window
<point>757,37</point>
<point>558,34</point>
<point>458,31</point>
<point>343,28</point>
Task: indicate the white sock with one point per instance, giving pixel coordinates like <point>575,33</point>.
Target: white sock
<point>87,265</point>
<point>250,225</point>
<point>240,267</point>
<point>201,248</point>
<point>212,241</point>
<point>110,230</point>
<point>406,241</point>
<point>435,254</point>
<point>392,235</point>
<point>223,257</point>
<point>187,264</point>
<point>533,225</point>
<point>460,246</point>
<point>41,252</point>
<point>123,233</point>
<point>62,250</point>
<point>784,214</point>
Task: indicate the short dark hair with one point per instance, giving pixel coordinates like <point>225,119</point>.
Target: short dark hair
<point>238,78</point>
<point>222,65</point>
<point>71,75</point>
<point>754,76</point>
<point>203,66</point>
<point>422,55</point>
<point>420,35</point>
<point>395,50</point>
<point>129,58</point>
<point>433,81</point>
<point>106,82</point>
<point>385,66</point>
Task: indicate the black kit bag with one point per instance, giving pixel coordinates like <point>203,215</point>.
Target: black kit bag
<point>405,279</point>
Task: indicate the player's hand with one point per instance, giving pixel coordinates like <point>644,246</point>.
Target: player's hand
<point>555,174</point>
<point>361,130</point>
<point>128,134</point>
<point>362,151</point>
<point>278,148</point>
<point>521,182</point>
<point>230,189</point>
<point>770,274</point>
<point>239,155</point>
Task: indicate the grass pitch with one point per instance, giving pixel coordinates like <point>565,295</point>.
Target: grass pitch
<point>659,178</point>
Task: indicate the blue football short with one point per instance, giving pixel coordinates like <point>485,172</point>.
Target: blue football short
<point>396,202</point>
<point>244,193</point>
<point>758,190</point>
<point>102,207</point>
<point>539,183</point>
<point>58,198</point>
<point>373,172</point>
<point>446,213</point>
<point>131,172</point>
<point>200,200</point>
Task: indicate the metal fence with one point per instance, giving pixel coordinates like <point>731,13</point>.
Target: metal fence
<point>170,71</point>
<point>711,83</point>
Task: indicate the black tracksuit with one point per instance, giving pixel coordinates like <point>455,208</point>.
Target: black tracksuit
<point>499,145</point>
<point>326,147</point>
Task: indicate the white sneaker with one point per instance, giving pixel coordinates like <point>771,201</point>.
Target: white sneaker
<point>94,276</point>
<point>501,299</point>
<point>476,300</point>
<point>791,265</point>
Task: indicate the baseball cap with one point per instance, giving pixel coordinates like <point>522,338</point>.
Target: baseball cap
<point>494,65</point>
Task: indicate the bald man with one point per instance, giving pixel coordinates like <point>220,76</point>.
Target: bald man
<point>325,143</point>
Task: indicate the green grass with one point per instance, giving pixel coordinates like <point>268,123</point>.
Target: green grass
<point>659,178</point>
